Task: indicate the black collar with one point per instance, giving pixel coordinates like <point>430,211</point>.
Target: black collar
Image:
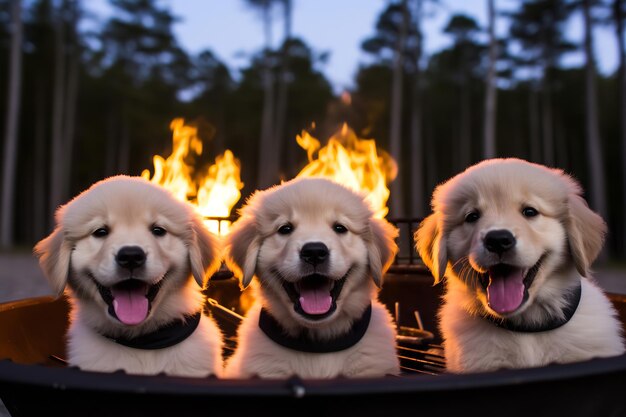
<point>304,343</point>
<point>166,336</point>
<point>572,299</point>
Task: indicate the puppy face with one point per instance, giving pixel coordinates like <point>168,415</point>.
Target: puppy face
<point>314,247</point>
<point>125,246</point>
<point>503,228</point>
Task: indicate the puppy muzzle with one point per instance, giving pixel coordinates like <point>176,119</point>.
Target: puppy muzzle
<point>314,296</point>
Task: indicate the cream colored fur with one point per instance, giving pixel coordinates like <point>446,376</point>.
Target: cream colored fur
<point>566,231</point>
<point>181,260</point>
<point>254,248</point>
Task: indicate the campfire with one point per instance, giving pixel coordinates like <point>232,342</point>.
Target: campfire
<point>346,159</point>
<point>213,191</point>
<point>353,162</point>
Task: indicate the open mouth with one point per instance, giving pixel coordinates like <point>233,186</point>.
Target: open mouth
<point>315,296</point>
<point>507,286</point>
<point>129,301</point>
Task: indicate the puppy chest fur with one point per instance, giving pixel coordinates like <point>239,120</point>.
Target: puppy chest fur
<point>257,355</point>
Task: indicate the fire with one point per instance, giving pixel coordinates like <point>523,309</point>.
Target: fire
<point>346,159</point>
<point>353,162</point>
<point>219,191</point>
<point>214,192</point>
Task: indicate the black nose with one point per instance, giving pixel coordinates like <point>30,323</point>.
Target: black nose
<point>499,241</point>
<point>130,257</point>
<point>314,253</point>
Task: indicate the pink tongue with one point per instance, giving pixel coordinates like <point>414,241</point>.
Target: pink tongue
<point>315,301</point>
<point>131,305</point>
<point>505,292</point>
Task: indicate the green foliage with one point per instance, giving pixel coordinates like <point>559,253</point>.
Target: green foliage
<point>385,39</point>
<point>539,28</point>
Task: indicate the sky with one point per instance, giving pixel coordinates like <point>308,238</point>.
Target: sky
<point>233,31</point>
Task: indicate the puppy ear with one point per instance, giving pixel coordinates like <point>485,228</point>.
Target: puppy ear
<point>54,259</point>
<point>431,245</point>
<point>242,248</point>
<point>381,248</point>
<point>585,233</point>
<point>204,251</point>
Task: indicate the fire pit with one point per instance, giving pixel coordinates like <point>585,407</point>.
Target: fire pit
<point>35,381</point>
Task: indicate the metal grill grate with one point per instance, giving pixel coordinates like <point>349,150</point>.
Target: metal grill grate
<point>407,255</point>
<point>416,354</point>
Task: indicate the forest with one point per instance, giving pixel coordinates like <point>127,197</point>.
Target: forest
<point>83,102</point>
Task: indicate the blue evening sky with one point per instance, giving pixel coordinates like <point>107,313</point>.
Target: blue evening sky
<point>234,31</point>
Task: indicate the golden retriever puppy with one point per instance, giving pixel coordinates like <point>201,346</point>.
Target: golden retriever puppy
<point>135,260</point>
<point>515,241</point>
<point>319,257</point>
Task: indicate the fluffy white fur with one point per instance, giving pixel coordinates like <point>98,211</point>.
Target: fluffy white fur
<point>180,260</point>
<point>565,231</point>
<point>256,248</point>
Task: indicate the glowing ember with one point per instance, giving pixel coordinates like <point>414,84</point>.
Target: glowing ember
<point>346,98</point>
<point>214,192</point>
<point>353,162</point>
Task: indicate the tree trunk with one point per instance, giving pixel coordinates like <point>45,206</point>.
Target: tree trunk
<point>489,138</point>
<point>69,124</point>
<point>546,108</point>
<point>594,144</point>
<point>268,162</point>
<point>110,155</point>
<point>619,29</point>
<point>433,177</point>
<point>465,134</point>
<point>69,127</point>
<point>40,212</point>
<point>418,205</point>
<point>123,159</point>
<point>11,127</point>
<point>395,125</point>
<point>283,86</point>
<point>58,107</point>
<point>533,119</point>
<point>560,154</point>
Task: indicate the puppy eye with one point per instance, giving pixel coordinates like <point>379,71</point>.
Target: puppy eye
<point>285,229</point>
<point>529,212</point>
<point>158,231</point>
<point>340,228</point>
<point>100,232</point>
<point>472,217</point>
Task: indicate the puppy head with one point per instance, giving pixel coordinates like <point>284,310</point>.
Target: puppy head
<point>314,247</point>
<point>123,245</point>
<point>504,227</point>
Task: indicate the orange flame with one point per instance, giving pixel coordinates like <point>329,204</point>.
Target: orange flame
<point>353,162</point>
<point>215,191</point>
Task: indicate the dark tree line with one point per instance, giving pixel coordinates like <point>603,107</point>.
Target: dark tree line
<point>79,105</point>
<point>569,118</point>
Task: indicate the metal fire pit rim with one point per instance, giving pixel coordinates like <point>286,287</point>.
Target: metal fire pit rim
<point>120,382</point>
